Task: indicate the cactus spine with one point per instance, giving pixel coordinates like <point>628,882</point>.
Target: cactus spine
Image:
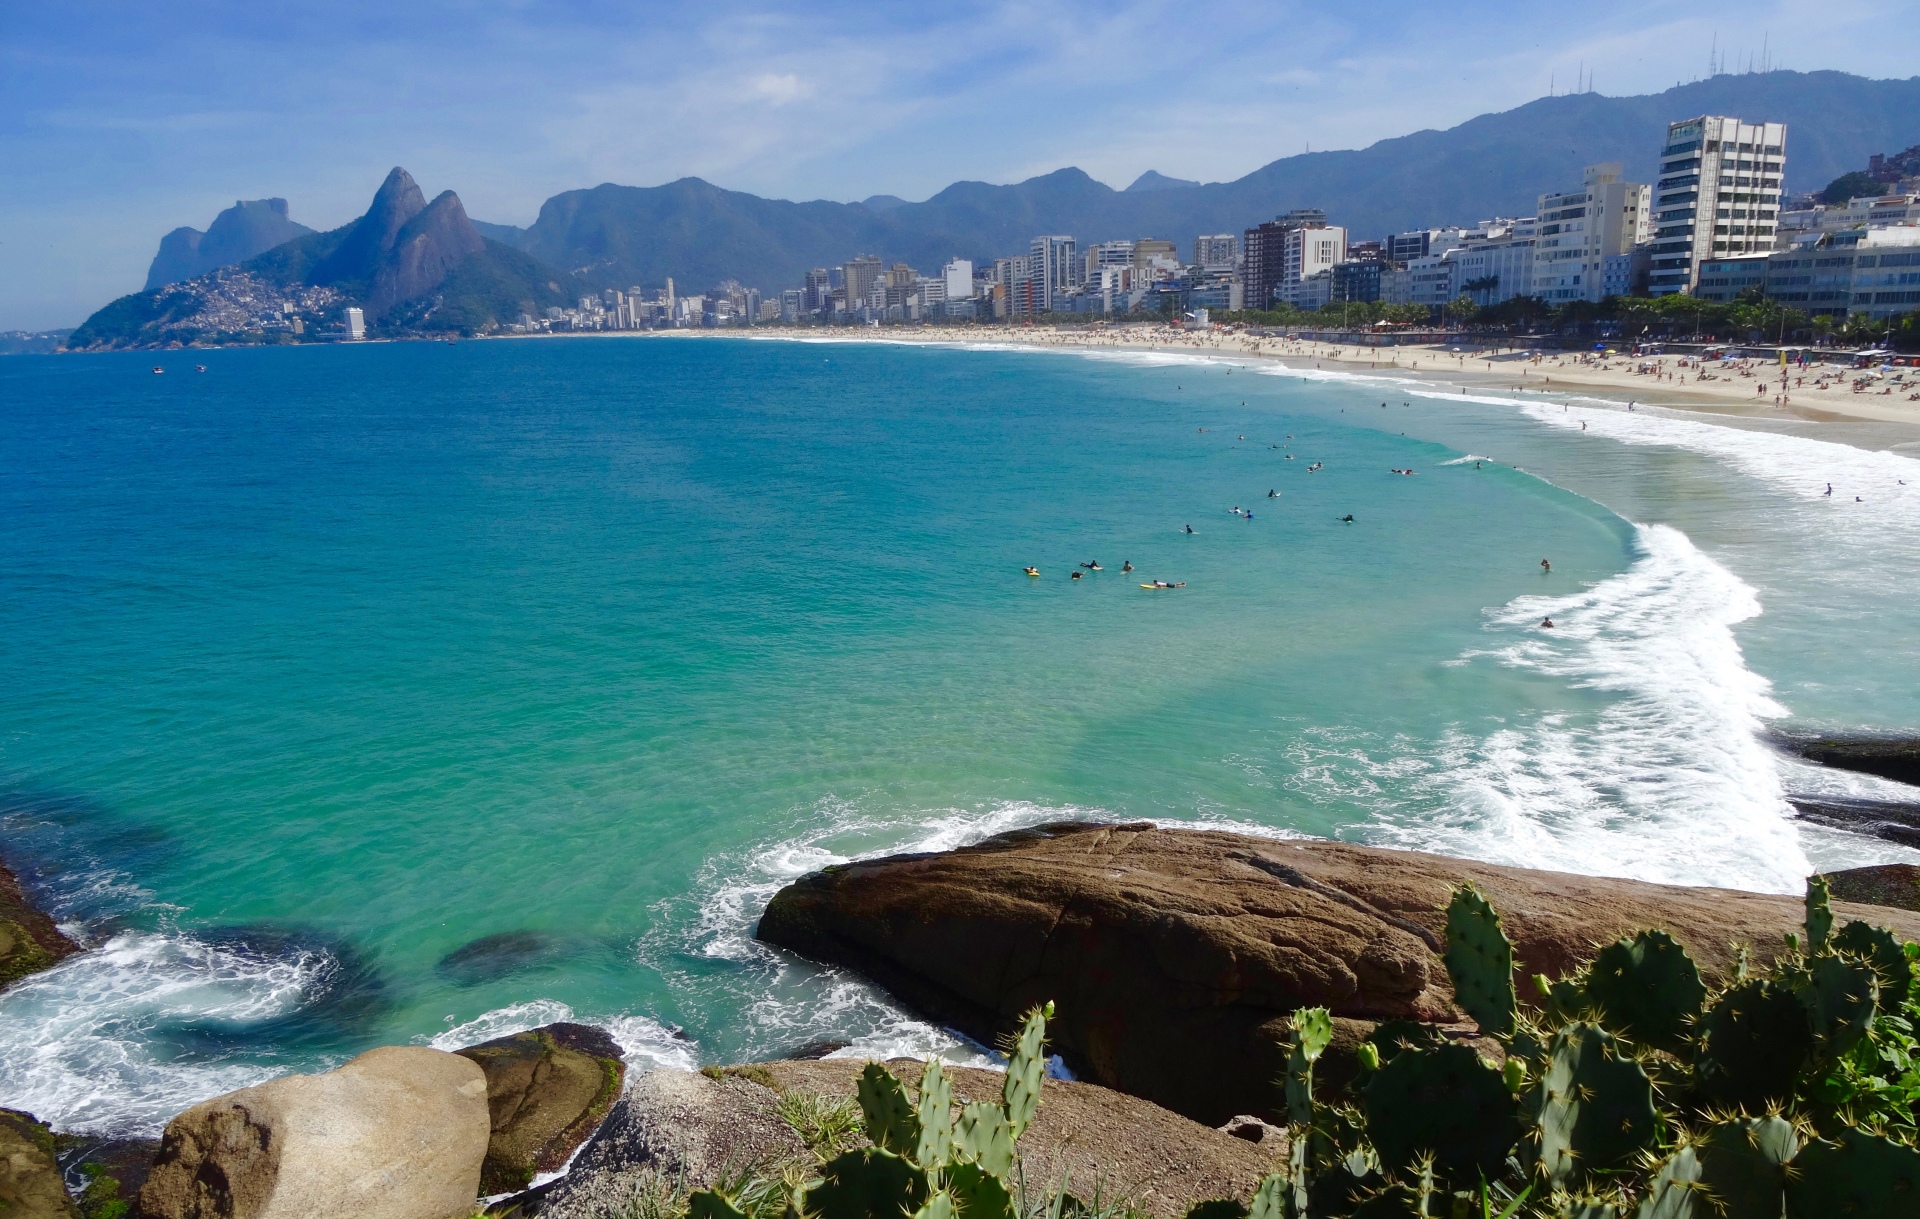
<point>1648,989</point>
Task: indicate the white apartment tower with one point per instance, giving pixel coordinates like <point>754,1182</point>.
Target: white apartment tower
<point>1056,266</point>
<point>958,274</point>
<point>1305,252</point>
<point>1579,229</point>
<point>1718,194</point>
<point>1215,253</point>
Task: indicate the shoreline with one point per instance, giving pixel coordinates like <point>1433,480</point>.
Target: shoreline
<point>1729,400</point>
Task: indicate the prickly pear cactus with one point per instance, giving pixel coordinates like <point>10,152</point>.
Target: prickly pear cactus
<point>1595,1105</point>
<point>979,1194</point>
<point>934,1114</point>
<point>1312,1034</point>
<point>1480,961</point>
<point>1389,1037</point>
<point>1027,1069</point>
<point>1878,947</point>
<point>939,1205</point>
<point>1856,1174</point>
<point>1270,1199</point>
<point>1841,995</point>
<point>889,1114</point>
<point>712,1204</point>
<point>983,1137</point>
<point>1743,1166</point>
<point>1647,989</point>
<point>1755,1038</point>
<point>870,1183</point>
<point>1444,1103</point>
<point>1674,1192</point>
<point>1819,914</point>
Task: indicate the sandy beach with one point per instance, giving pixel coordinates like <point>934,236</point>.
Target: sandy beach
<point>1742,389</point>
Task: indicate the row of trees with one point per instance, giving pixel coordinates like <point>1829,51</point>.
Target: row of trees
<point>1749,319</point>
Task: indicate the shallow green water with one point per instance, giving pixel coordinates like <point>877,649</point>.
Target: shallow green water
<point>326,664</point>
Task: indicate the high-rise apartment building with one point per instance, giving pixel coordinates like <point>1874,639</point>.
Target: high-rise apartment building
<point>959,279</point>
<point>816,294</point>
<point>356,323</point>
<point>1263,260</point>
<point>1580,229</point>
<point>858,275</point>
<point>1305,252</point>
<point>1718,194</point>
<point>1053,262</point>
<point>1215,253</point>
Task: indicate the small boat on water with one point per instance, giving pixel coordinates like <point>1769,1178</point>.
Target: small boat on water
<point>199,368</point>
<point>157,370</point>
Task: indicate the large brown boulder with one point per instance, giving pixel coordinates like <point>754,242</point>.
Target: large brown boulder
<point>1887,884</point>
<point>397,1133</point>
<point>1176,956</point>
<point>692,1128</point>
<point>30,1184</point>
<point>29,941</point>
<point>547,1091</point>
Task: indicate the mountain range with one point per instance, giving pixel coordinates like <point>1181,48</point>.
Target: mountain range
<point>249,227</point>
<point>413,264</point>
<point>409,264</point>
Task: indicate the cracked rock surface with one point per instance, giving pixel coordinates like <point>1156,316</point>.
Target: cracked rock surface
<point>1175,957</point>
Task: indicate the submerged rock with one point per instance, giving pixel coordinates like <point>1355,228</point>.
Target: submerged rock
<point>692,1128</point>
<point>1176,957</point>
<point>29,942</point>
<point>495,956</point>
<point>1893,820</point>
<point>397,1133</point>
<point>30,1184</point>
<point>547,1091</point>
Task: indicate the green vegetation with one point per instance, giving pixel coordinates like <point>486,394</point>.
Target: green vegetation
<point>1629,1089</point>
<point>1855,185</point>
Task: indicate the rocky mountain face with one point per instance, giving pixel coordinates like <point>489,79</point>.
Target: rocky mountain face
<point>249,227</point>
<point>416,266</point>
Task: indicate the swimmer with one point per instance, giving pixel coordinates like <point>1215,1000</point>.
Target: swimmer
<point>1545,566</point>
<point>1476,465</point>
<point>1348,518</point>
<point>1250,511</point>
<point>1076,575</point>
<point>1547,622</point>
<point>1126,565</point>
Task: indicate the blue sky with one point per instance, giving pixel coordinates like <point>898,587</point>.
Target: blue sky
<point>120,121</point>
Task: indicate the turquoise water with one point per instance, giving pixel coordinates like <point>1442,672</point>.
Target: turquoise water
<point>325,664</point>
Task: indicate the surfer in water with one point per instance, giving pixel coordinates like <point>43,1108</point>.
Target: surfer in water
<point>1189,528</point>
<point>1076,575</point>
<point>1348,518</point>
<point>1547,623</point>
<point>1032,571</point>
<point>1126,565</point>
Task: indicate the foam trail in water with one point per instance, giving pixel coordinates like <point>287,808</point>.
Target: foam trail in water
<point>77,1042</point>
<point>1669,780</point>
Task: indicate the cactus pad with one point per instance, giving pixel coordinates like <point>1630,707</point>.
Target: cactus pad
<point>1447,1103</point>
<point>978,1193</point>
<point>1674,1189</point>
<point>1480,961</point>
<point>1026,1070</point>
<point>1878,946</point>
<point>935,1116</point>
<point>1647,989</point>
<point>712,1204</point>
<point>1841,995</point>
<point>1743,1166</point>
<point>983,1136</point>
<point>1595,1105</point>
<point>1856,1174</point>
<point>1754,1040</point>
<point>889,1115</point>
<point>1390,1037</point>
<point>866,1184</point>
<point>1270,1199</point>
<point>1819,914</point>
<point>1312,1033</point>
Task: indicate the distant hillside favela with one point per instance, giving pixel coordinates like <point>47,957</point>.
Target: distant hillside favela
<point>1699,191</point>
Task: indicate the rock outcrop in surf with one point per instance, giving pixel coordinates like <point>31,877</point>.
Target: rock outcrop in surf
<point>1152,938</point>
<point>29,940</point>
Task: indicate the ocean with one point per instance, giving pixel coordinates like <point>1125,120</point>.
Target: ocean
<point>375,694</point>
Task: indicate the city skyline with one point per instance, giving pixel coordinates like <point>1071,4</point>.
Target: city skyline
<point>137,123</point>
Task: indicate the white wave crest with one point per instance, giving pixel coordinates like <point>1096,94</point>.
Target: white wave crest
<point>645,1041</point>
<point>76,1041</point>
<point>1669,780</point>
